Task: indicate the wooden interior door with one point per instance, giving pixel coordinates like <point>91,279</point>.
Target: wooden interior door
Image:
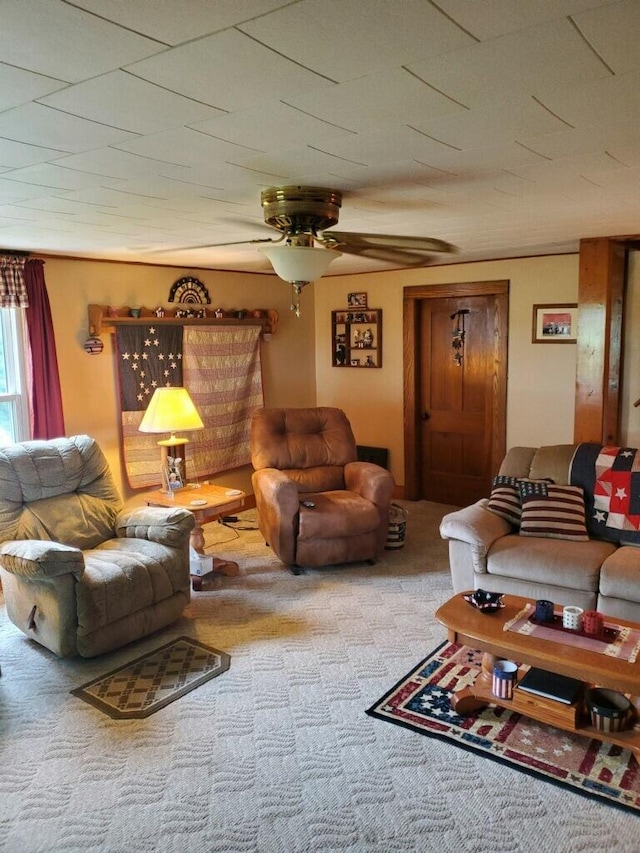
<point>458,409</point>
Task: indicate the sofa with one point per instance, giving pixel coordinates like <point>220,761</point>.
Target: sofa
<point>81,574</point>
<point>594,564</point>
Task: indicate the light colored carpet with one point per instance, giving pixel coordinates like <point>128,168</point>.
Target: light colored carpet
<point>277,754</point>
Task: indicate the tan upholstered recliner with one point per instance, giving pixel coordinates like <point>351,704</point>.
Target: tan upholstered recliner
<point>81,575</point>
<point>309,455</point>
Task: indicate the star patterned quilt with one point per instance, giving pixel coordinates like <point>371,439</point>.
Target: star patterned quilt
<point>610,477</point>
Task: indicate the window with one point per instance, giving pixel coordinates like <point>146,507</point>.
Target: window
<point>14,405</point>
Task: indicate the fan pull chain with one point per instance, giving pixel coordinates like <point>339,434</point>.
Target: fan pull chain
<point>296,290</point>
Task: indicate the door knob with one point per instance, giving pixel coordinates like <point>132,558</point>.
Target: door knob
<point>425,416</point>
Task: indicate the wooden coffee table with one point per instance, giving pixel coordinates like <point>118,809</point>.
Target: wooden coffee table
<point>213,502</point>
<point>470,627</point>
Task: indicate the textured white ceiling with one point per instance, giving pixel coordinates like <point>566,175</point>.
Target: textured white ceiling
<point>132,130</point>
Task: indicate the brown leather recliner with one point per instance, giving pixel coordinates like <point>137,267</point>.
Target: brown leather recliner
<point>305,456</point>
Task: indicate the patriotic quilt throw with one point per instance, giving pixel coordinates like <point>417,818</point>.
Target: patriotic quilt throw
<point>610,477</point>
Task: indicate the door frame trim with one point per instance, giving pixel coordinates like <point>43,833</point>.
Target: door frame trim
<point>412,296</point>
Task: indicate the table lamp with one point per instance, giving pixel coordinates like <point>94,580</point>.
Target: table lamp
<point>171,410</point>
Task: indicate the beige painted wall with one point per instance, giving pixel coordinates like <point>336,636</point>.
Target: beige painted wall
<point>88,382</point>
<point>541,377</point>
<point>297,361</point>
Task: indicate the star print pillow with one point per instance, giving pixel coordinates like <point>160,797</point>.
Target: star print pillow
<point>552,512</point>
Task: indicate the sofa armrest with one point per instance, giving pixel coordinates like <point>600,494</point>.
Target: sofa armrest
<point>35,558</point>
<point>475,525</point>
<point>167,526</point>
<point>370,481</point>
<point>278,505</point>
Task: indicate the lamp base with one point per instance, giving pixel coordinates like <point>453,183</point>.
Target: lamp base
<point>172,478</point>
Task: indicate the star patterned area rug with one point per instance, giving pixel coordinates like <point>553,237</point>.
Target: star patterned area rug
<point>151,682</point>
<point>421,701</point>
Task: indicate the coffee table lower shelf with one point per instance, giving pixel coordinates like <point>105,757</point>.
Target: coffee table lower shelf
<point>572,718</point>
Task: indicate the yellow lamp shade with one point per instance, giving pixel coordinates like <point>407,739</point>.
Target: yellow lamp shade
<point>171,410</point>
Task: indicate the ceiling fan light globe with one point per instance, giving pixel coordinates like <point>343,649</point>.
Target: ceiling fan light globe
<point>297,264</point>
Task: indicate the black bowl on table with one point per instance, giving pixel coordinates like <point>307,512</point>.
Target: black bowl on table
<point>486,602</point>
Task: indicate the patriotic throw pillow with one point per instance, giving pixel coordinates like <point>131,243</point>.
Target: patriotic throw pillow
<point>505,498</point>
<point>552,512</point>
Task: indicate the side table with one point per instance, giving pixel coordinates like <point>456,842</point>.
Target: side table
<point>207,503</point>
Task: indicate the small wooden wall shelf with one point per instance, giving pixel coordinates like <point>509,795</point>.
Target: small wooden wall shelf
<point>357,337</point>
<point>105,318</point>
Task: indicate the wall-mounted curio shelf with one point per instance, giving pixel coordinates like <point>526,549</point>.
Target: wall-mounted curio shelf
<point>357,337</point>
<point>105,318</point>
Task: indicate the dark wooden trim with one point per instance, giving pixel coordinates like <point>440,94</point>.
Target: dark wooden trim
<point>411,341</point>
<point>501,354</point>
<point>411,373</point>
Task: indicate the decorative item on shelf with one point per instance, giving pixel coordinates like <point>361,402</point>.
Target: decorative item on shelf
<point>93,346</point>
<point>170,410</point>
<point>105,318</point>
<point>189,289</point>
<point>135,312</point>
<point>458,335</point>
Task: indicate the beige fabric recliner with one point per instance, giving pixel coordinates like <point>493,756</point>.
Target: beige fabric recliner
<point>309,455</point>
<point>80,574</point>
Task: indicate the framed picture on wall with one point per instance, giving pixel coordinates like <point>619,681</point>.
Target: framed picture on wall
<point>357,300</point>
<point>555,324</point>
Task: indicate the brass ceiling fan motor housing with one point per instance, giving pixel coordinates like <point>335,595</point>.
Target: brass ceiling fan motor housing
<point>301,210</point>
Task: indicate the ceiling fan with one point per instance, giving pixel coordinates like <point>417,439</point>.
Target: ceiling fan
<point>304,216</point>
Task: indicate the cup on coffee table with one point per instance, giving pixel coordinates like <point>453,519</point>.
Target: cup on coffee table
<point>592,623</point>
<point>572,617</point>
<point>544,610</point>
<point>504,678</point>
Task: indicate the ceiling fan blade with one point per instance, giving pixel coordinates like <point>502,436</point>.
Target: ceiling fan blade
<point>401,257</point>
<point>391,241</point>
<point>217,245</point>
